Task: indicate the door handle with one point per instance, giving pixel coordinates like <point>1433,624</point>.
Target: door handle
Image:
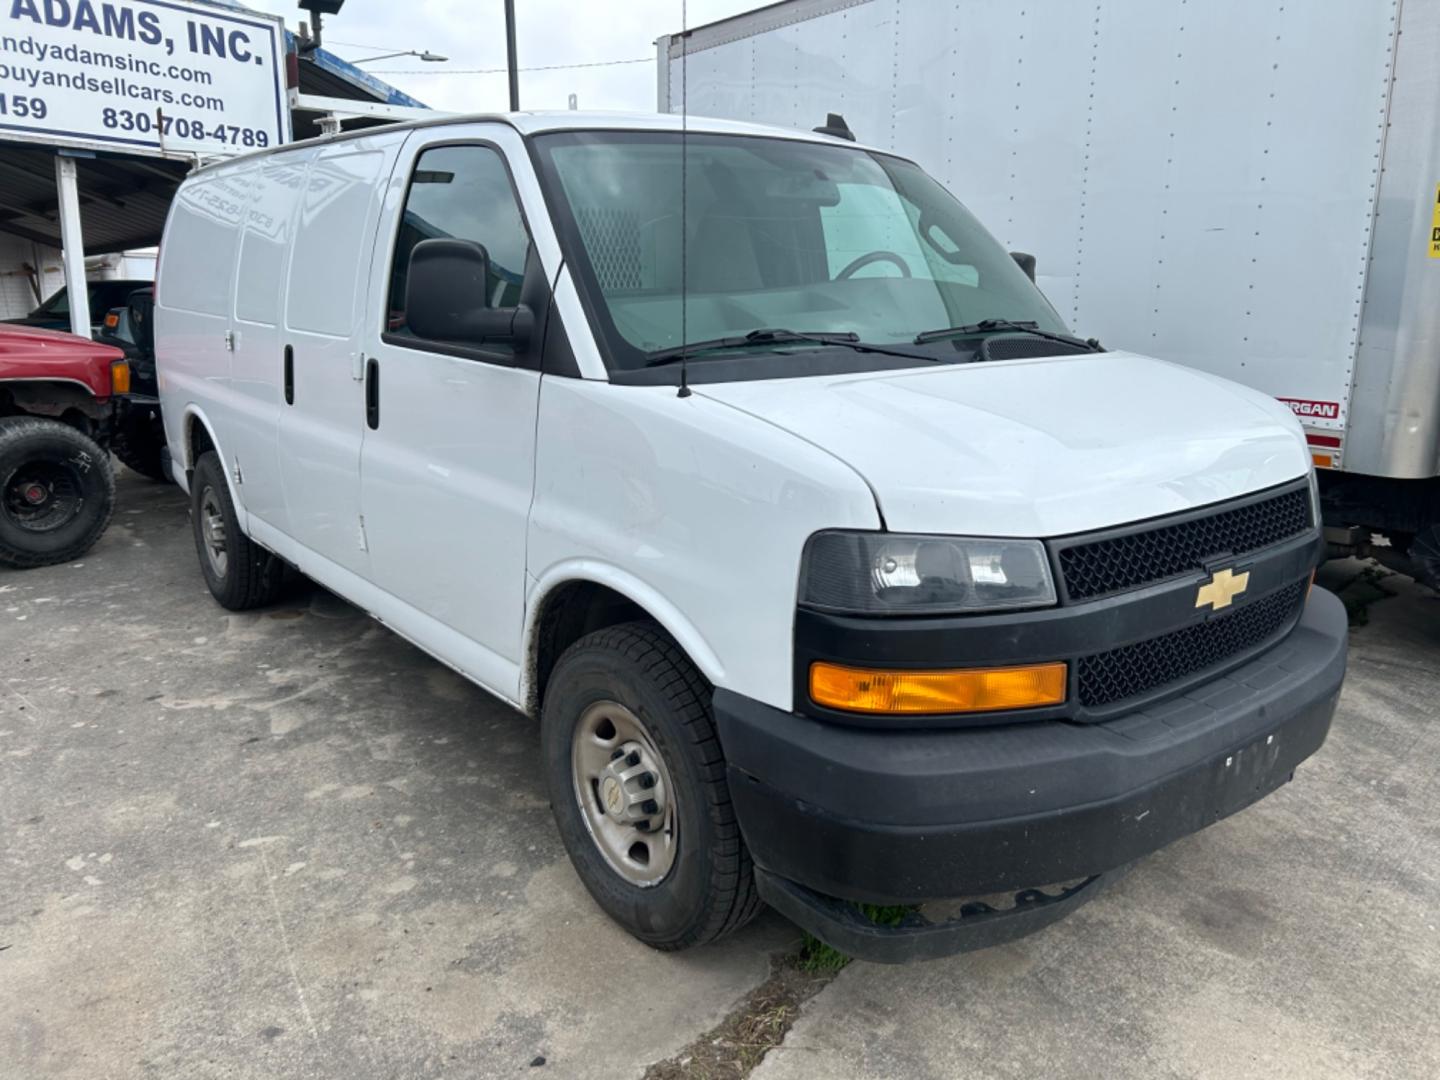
<point>289,375</point>
<point>372,393</point>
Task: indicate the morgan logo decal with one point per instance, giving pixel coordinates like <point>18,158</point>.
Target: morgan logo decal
<point>1318,410</point>
<point>1435,226</point>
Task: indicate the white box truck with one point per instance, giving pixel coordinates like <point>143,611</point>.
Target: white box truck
<point>835,570</point>
<point>1250,190</point>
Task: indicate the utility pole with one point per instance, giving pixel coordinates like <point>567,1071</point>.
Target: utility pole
<point>510,55</point>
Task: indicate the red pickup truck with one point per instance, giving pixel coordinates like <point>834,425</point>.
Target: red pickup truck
<point>59,399</point>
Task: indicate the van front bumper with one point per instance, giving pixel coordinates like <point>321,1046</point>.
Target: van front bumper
<point>834,815</point>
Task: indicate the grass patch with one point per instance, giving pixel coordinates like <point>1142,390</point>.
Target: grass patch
<point>731,1050</point>
<point>816,956</point>
<point>758,1024</point>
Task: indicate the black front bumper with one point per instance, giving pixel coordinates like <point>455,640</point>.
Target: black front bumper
<point>906,816</point>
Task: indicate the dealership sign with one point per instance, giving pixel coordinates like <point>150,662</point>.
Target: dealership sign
<point>153,76</point>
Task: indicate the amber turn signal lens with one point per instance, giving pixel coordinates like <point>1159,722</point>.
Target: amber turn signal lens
<point>958,690</point>
<point>120,377</point>
<point>112,321</point>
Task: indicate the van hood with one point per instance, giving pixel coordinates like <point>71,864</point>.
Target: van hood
<point>1036,447</point>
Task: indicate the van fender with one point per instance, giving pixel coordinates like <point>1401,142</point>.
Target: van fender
<point>644,596</point>
<point>194,414</point>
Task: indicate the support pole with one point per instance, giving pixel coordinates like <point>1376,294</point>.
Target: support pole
<point>510,55</point>
<point>72,240</point>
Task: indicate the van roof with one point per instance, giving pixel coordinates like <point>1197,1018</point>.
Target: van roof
<point>534,123</point>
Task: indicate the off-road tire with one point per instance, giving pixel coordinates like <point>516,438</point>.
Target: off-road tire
<point>138,441</point>
<point>252,576</point>
<point>709,890</point>
<point>27,440</point>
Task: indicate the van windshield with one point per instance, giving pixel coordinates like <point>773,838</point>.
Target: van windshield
<point>778,233</point>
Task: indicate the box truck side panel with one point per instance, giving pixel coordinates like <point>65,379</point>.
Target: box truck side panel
<point>839,59</point>
<point>1395,407</point>
<point>956,104</point>
<point>1198,181</point>
<point>1262,126</point>
<point>786,61</point>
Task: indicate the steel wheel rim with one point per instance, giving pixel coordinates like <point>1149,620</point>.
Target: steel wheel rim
<point>623,788</point>
<point>212,532</point>
<point>42,496</point>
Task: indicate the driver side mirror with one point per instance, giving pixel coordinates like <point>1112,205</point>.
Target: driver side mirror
<point>446,297</point>
<point>1025,262</point>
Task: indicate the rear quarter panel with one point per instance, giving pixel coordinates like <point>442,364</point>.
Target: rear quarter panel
<point>194,294</point>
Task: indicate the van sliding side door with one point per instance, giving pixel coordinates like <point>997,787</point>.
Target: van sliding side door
<point>447,465</point>
<point>321,401</point>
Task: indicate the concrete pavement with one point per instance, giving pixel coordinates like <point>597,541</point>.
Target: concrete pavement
<point>286,843</point>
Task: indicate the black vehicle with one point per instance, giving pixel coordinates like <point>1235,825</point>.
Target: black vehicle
<point>54,313</point>
<point>139,439</point>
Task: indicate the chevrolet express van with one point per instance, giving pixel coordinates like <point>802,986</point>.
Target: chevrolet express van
<point>836,570</point>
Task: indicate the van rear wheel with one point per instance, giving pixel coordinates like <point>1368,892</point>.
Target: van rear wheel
<point>637,785</point>
<point>240,573</point>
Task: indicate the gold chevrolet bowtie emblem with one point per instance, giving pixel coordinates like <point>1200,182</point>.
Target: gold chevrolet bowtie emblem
<point>1223,587</point>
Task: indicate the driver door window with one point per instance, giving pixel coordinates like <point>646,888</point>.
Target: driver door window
<point>464,193</point>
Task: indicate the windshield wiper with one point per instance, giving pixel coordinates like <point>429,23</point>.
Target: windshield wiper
<point>764,336</point>
<point>991,326</point>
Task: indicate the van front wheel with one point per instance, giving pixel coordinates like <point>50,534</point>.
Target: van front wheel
<point>637,785</point>
<point>240,573</point>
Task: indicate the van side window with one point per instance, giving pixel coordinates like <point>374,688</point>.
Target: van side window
<point>204,230</point>
<point>461,192</point>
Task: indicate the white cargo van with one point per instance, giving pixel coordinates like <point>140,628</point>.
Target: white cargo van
<point>836,570</point>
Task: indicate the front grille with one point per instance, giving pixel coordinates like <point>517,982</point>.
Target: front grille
<point>1138,558</point>
<point>1132,670</point>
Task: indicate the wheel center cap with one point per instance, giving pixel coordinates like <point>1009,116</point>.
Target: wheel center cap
<point>612,795</point>
<point>34,494</point>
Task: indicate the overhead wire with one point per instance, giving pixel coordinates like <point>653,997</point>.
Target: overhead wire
<point>501,71</point>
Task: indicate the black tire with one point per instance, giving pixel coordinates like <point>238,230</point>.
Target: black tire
<point>709,889</point>
<point>1425,556</point>
<point>138,441</point>
<point>57,492</point>
<point>247,576</point>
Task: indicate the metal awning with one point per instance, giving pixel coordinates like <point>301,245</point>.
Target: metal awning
<point>124,198</point>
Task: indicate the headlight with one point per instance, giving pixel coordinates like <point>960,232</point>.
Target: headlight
<point>872,573</point>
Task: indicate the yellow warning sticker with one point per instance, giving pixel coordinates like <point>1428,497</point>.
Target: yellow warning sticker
<point>1435,226</point>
